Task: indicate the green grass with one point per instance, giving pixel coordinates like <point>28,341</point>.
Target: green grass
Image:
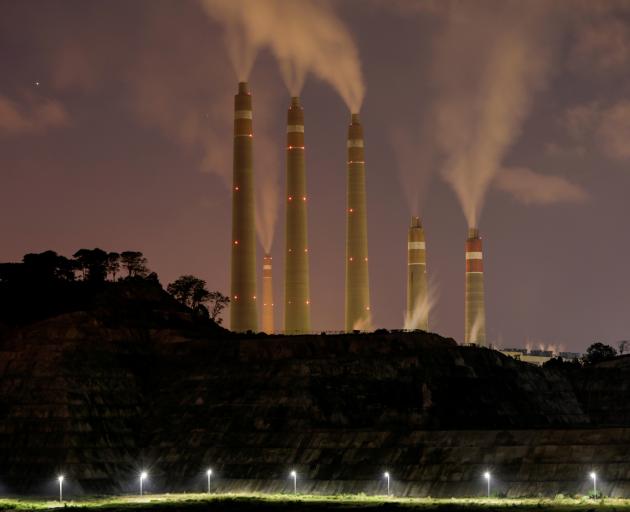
<point>312,503</point>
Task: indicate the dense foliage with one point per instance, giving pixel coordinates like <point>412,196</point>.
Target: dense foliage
<point>48,284</point>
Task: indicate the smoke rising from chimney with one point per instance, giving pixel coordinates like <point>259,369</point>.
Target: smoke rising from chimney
<point>490,61</point>
<point>530,187</point>
<point>305,36</point>
<point>413,152</point>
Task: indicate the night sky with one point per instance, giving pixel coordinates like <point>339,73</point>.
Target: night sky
<point>116,124</point>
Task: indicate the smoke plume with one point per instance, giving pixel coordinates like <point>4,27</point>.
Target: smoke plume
<point>267,160</point>
<point>530,187</point>
<point>304,36</point>
<point>36,117</point>
<point>424,311</point>
<point>413,152</point>
<point>490,60</point>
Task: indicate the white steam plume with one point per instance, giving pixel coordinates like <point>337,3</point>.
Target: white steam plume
<point>490,60</point>
<point>413,153</point>
<point>530,187</point>
<point>305,36</point>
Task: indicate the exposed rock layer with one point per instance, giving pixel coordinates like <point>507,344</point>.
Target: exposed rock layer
<point>99,399</point>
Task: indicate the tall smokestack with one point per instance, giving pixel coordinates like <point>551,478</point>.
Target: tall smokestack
<point>417,292</point>
<point>297,310</point>
<point>243,311</point>
<point>267,296</point>
<point>475,315</point>
<point>357,280</point>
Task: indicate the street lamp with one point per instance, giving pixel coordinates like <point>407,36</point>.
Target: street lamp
<point>60,480</point>
<point>486,475</point>
<point>294,476</point>
<point>386,475</point>
<point>209,473</point>
<point>143,477</point>
<point>594,478</point>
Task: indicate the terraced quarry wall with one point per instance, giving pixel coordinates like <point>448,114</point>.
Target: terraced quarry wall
<point>99,401</point>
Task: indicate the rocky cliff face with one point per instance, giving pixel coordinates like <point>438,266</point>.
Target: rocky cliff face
<point>100,396</point>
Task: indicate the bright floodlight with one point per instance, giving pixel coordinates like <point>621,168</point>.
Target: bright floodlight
<point>594,478</point>
<point>294,476</point>
<point>60,480</point>
<point>486,475</point>
<point>143,477</point>
<point>386,475</point>
<point>209,473</point>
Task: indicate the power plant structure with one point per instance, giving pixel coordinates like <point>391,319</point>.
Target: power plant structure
<point>475,310</point>
<point>417,290</point>
<point>357,306</point>
<point>297,309</point>
<point>243,310</point>
<point>267,296</point>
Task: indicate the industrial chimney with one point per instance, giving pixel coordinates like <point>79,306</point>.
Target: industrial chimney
<point>417,291</point>
<point>297,317</point>
<point>243,310</point>
<point>475,314</point>
<point>267,296</point>
<point>357,311</point>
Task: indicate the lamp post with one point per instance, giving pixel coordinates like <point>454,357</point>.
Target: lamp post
<point>486,475</point>
<point>594,478</point>
<point>60,480</point>
<point>209,473</point>
<point>386,475</point>
<point>143,477</point>
<point>294,476</point>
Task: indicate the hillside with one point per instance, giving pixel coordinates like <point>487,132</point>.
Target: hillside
<point>135,382</point>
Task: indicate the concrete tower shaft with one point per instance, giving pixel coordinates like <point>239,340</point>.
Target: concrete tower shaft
<point>417,290</point>
<point>357,308</point>
<point>475,310</point>
<point>243,310</point>
<point>267,296</point>
<point>297,309</point>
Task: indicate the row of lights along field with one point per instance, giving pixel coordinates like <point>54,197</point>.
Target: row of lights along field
<point>294,477</point>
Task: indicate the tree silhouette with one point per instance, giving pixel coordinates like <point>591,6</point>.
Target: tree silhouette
<point>92,263</point>
<point>218,302</point>
<point>47,266</point>
<point>598,352</point>
<point>134,263</point>
<point>189,290</point>
<point>112,265</point>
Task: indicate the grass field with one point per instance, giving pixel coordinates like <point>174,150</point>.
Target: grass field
<point>307,503</point>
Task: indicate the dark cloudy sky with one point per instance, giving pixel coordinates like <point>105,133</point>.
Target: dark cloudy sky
<point>115,131</point>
